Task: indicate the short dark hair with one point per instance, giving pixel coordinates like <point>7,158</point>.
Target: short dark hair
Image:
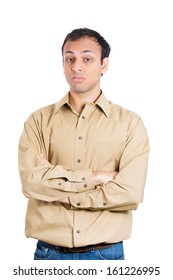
<point>86,32</point>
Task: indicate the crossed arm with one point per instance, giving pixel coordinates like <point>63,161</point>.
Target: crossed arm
<point>115,191</point>
<point>98,177</point>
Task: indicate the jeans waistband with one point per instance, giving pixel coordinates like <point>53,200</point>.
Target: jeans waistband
<point>82,249</point>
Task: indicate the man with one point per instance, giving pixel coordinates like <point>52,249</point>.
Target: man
<point>82,162</point>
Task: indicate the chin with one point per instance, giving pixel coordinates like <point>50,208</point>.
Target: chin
<point>78,90</point>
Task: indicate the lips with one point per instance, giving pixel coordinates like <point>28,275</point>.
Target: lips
<point>78,79</point>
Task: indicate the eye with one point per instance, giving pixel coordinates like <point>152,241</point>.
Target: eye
<point>88,59</point>
<point>69,59</point>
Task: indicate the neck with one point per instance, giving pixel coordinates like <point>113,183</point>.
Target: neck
<point>79,100</point>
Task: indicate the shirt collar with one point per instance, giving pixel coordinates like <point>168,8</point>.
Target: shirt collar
<point>104,104</point>
<point>62,102</point>
<point>101,102</point>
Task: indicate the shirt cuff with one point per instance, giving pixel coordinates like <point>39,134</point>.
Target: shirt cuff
<point>78,201</point>
<point>82,179</point>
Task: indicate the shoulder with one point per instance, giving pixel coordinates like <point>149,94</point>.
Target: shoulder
<point>129,119</point>
<point>46,110</point>
<point>123,113</point>
<point>49,111</point>
<point>43,115</point>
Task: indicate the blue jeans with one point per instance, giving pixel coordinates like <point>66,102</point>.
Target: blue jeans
<point>45,251</point>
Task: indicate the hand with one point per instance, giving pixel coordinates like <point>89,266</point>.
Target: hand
<point>103,177</point>
<point>43,159</point>
<point>64,200</point>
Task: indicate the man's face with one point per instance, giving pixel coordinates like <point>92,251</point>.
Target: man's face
<point>82,65</point>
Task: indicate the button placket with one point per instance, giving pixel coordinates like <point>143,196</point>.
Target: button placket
<point>79,160</point>
<point>77,229</point>
<point>80,143</point>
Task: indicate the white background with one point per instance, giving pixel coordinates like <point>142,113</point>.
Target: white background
<point>140,78</point>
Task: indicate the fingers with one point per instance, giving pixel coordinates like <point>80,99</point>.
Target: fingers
<point>42,159</point>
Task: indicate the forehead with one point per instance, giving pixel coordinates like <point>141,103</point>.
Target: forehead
<point>82,45</point>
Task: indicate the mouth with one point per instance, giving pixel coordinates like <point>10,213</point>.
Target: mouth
<point>78,79</point>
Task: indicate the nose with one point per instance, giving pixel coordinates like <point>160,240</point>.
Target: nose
<point>76,66</point>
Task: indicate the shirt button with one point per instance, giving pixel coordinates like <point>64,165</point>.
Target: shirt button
<point>78,231</point>
<point>80,137</point>
<point>104,203</point>
<point>83,117</point>
<point>78,204</point>
<point>83,179</point>
<point>78,160</point>
<point>85,186</point>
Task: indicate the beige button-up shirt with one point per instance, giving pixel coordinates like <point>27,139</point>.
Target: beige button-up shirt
<point>104,137</point>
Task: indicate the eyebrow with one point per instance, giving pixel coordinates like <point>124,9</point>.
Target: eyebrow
<point>85,51</point>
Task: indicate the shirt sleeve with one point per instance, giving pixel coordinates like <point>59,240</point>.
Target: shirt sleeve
<point>44,181</point>
<point>126,191</point>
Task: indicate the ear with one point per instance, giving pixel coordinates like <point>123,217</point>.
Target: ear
<point>105,65</point>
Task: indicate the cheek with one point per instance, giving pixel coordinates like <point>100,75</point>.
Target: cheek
<point>95,74</point>
<point>66,73</point>
<point>65,70</point>
<point>97,70</point>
